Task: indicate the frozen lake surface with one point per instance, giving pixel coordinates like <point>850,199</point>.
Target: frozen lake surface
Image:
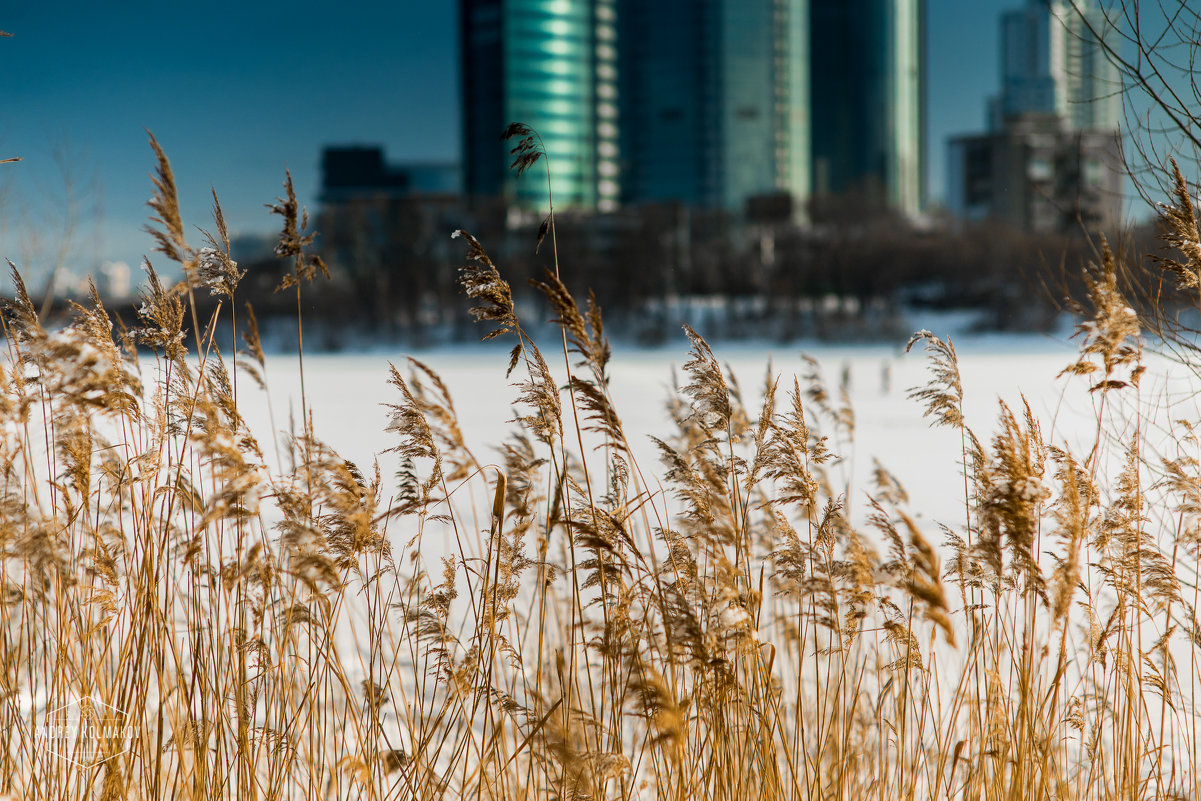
<point>347,393</point>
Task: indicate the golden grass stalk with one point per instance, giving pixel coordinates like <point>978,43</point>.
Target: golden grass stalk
<point>584,633</point>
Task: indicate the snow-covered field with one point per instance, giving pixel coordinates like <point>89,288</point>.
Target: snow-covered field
<point>346,393</point>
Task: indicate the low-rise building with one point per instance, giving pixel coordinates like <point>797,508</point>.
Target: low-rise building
<point>1039,175</point>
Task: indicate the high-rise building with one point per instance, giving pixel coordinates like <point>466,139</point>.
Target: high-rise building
<point>357,171</point>
<point>704,102</point>
<point>1037,175</point>
<point>868,97</point>
<point>1031,64</point>
<point>1052,62</point>
<point>551,64</point>
<point>1094,88</point>
<point>714,100</point>
<point>1051,160</point>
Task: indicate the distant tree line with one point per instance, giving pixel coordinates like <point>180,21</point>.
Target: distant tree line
<point>845,274</point>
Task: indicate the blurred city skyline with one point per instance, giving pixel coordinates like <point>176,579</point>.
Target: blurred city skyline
<point>237,93</point>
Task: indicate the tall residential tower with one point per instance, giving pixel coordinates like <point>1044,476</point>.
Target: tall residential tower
<point>703,102</point>
<point>1051,159</point>
<point>1053,62</point>
<point>868,99</point>
<point>551,64</point>
<point>714,100</point>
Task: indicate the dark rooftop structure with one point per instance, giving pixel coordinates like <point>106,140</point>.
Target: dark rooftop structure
<point>360,170</point>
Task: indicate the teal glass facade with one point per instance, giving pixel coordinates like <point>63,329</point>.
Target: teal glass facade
<point>868,98</point>
<point>1053,63</point>
<point>551,64</point>
<point>670,133</point>
<point>716,110</point>
<point>704,102</point>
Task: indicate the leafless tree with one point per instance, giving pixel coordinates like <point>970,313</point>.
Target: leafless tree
<point>1156,48</point>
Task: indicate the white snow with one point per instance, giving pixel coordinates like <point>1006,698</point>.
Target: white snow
<point>346,394</point>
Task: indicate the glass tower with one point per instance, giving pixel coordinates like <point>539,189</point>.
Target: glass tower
<point>714,99</point>
<point>704,102</point>
<point>551,64</point>
<point>1051,62</point>
<point>1031,63</point>
<point>1090,95</point>
<point>868,98</point>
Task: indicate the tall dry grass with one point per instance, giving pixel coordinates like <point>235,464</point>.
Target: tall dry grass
<point>598,628</point>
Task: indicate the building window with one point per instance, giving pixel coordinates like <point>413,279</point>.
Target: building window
<point>1039,168</point>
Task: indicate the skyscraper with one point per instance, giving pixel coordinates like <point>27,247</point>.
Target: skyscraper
<point>1051,159</point>
<point>1031,64</point>
<point>551,64</point>
<point>1051,62</point>
<point>714,100</point>
<point>705,102</point>
<point>1093,87</point>
<point>868,99</point>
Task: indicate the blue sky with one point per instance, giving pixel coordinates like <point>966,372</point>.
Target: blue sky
<point>237,91</point>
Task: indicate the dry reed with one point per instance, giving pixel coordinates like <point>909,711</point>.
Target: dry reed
<point>721,630</point>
